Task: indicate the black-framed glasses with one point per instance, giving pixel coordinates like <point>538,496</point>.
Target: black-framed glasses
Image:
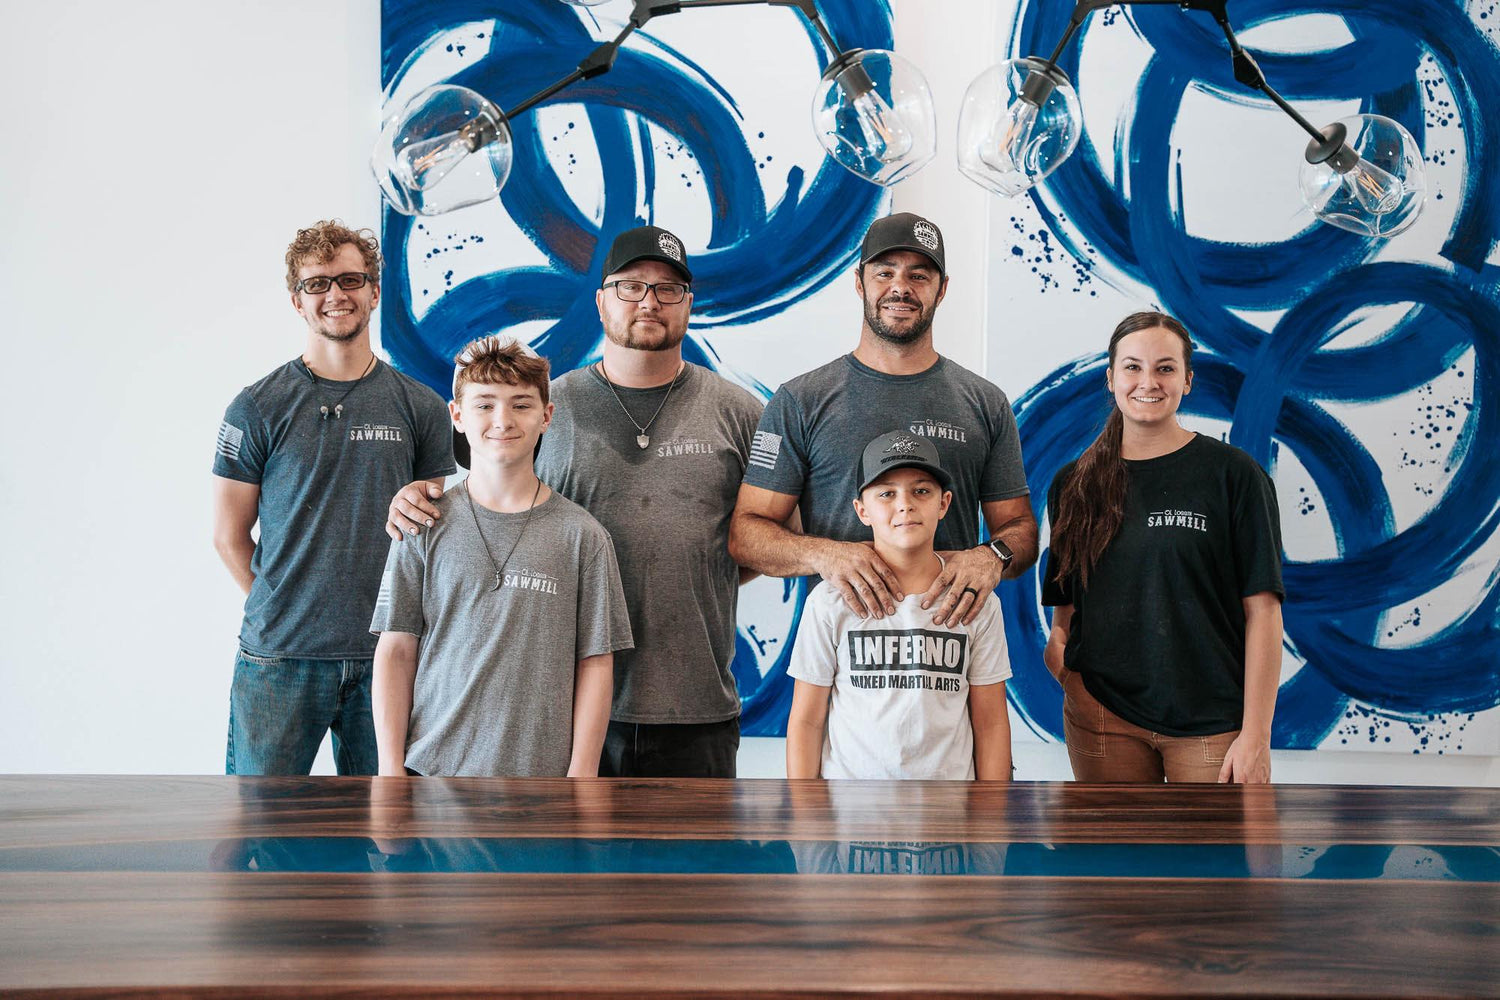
<point>668,293</point>
<point>348,281</point>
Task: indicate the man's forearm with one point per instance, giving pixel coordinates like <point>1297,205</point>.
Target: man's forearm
<point>1019,535</point>
<point>391,684</point>
<point>236,554</point>
<point>760,544</point>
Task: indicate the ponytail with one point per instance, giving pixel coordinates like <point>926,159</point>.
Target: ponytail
<point>1091,504</point>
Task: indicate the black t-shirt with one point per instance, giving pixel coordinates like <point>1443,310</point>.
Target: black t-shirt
<point>1159,635</point>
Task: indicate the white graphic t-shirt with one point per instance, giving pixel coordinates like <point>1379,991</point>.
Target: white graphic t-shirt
<point>900,701</point>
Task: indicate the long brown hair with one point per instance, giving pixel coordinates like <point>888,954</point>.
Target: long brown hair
<point>1091,504</point>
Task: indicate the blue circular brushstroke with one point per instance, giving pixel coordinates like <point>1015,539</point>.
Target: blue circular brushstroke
<point>1273,387</point>
<point>760,259</point>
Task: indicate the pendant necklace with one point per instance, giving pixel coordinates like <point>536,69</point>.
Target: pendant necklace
<point>500,568</point>
<point>338,404</point>
<point>642,439</point>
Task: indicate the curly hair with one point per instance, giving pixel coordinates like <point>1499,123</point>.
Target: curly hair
<point>500,361</point>
<point>322,240</point>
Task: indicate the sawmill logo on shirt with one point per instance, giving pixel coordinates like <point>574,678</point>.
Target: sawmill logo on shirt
<point>531,579</point>
<point>684,446</point>
<point>374,432</point>
<point>907,659</point>
<point>939,430</point>
<point>1177,519</point>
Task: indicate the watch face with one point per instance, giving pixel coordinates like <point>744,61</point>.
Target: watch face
<point>1001,549</point>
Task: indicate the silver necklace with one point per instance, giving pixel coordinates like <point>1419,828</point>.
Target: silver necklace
<point>338,406</point>
<point>642,439</point>
<point>500,568</point>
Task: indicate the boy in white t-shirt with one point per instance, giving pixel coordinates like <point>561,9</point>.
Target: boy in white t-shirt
<point>899,697</point>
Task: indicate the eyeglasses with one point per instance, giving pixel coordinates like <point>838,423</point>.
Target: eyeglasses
<point>349,281</point>
<point>668,293</point>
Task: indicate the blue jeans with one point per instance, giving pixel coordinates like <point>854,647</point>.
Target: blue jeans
<point>279,709</point>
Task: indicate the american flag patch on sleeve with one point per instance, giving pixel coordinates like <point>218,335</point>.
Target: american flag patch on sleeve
<point>230,437</point>
<point>764,449</point>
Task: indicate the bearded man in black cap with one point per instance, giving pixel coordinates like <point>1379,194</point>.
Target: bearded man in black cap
<point>654,447</point>
<point>816,425</point>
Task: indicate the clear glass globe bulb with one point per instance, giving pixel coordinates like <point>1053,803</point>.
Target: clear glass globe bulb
<point>447,148</point>
<point>1375,184</point>
<point>874,116</point>
<point>1020,120</point>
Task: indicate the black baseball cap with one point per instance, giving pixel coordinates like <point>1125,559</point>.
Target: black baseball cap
<point>645,243</point>
<point>903,231</point>
<point>900,450</point>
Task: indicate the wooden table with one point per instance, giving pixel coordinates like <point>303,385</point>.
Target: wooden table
<point>429,887</point>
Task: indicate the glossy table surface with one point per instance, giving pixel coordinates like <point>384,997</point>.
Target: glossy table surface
<point>430,887</point>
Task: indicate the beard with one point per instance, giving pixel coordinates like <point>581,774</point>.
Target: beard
<point>891,335</point>
<point>662,338</point>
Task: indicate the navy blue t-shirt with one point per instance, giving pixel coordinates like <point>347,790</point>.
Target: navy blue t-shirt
<point>325,486</point>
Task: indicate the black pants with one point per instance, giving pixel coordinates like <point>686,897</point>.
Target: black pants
<point>670,750</point>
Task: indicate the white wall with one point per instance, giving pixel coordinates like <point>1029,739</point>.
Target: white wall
<point>159,156</point>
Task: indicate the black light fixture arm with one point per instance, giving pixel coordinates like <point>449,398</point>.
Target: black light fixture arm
<point>602,59</point>
<point>1246,70</point>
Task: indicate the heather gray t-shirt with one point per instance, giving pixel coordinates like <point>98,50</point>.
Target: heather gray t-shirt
<point>324,488</point>
<point>817,425</point>
<point>667,507</point>
<point>495,668</point>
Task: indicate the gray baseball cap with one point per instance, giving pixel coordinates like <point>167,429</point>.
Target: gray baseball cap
<point>900,450</point>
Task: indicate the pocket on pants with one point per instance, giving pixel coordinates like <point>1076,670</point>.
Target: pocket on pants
<point>1083,718</point>
<point>262,661</point>
<point>1216,748</point>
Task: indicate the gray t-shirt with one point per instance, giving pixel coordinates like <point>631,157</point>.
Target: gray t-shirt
<point>495,668</point>
<point>667,507</point>
<point>324,488</point>
<point>817,425</point>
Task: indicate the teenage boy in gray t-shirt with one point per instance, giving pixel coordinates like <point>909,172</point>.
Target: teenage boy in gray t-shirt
<point>498,626</point>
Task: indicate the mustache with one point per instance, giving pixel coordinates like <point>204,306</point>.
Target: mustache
<point>903,299</point>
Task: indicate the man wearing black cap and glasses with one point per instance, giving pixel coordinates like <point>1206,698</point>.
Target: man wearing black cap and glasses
<point>816,425</point>
<point>655,448</point>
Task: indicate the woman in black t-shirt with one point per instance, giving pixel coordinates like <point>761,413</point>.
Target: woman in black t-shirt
<point>1165,579</point>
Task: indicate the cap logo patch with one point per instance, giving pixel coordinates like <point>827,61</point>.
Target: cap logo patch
<point>670,246</point>
<point>903,446</point>
<point>926,234</point>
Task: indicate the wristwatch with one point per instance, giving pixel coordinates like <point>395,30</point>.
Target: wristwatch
<point>1002,550</point>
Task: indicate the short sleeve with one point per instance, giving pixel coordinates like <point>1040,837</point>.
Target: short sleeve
<point>816,651</point>
<point>244,442</point>
<point>778,450</point>
<point>603,624</point>
<point>989,658</point>
<point>743,422</point>
<point>398,605</point>
<point>1004,477</point>
<point>1055,593</point>
<point>1257,531</point>
<point>434,438</point>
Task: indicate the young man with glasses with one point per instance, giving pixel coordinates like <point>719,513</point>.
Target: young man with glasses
<point>654,447</point>
<point>310,452</point>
